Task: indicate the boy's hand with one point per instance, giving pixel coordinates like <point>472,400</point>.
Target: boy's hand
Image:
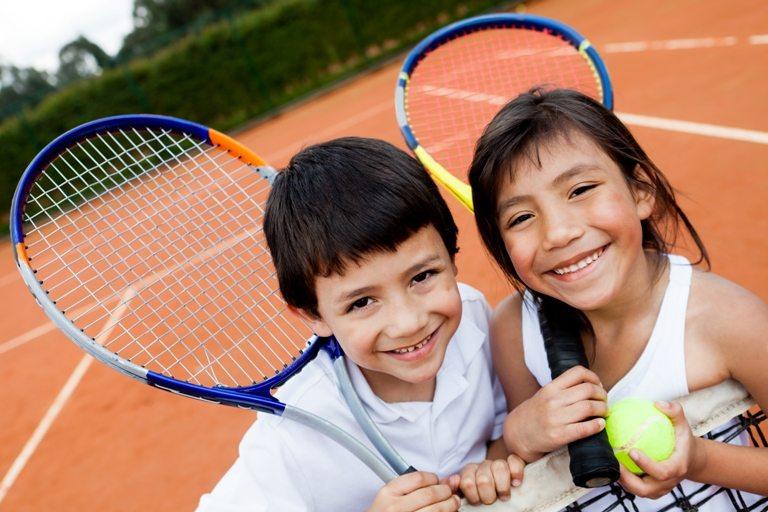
<point>491,479</point>
<point>557,414</point>
<point>419,491</point>
<point>661,477</point>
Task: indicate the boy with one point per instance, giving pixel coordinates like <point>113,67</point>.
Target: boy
<point>364,249</point>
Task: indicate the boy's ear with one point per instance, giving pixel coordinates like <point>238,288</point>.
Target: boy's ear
<point>316,323</point>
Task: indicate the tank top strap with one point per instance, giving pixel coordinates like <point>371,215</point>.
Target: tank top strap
<point>660,372</point>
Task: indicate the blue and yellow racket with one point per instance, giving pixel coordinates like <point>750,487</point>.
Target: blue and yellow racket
<point>450,87</point>
<point>141,238</point>
<point>455,80</point>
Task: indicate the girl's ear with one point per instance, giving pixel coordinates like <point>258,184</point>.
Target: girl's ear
<point>316,323</point>
<point>645,199</point>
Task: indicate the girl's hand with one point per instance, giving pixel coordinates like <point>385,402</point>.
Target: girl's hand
<point>419,491</point>
<point>661,477</point>
<point>491,479</point>
<point>557,414</point>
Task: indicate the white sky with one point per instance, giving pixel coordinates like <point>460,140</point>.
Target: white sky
<point>33,31</point>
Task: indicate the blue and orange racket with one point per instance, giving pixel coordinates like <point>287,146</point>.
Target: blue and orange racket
<point>141,238</point>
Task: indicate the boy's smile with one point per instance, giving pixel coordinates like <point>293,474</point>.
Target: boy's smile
<point>572,226</point>
<point>394,314</point>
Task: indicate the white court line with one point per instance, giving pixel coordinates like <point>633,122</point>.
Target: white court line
<point>42,428</point>
<point>28,336</point>
<point>681,44</point>
<point>708,130</point>
<point>77,374</point>
<point>331,130</point>
<point>9,278</point>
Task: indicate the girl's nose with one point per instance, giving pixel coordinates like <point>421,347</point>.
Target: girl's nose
<point>560,229</point>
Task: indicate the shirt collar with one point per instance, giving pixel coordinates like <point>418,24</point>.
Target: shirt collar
<point>451,381</point>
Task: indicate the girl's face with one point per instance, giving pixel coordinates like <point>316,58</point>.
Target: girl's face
<point>572,227</point>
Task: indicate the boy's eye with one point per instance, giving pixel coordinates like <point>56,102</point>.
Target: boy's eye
<point>360,303</point>
<point>423,276</point>
<point>581,189</point>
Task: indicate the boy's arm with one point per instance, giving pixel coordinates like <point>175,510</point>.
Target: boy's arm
<point>266,476</point>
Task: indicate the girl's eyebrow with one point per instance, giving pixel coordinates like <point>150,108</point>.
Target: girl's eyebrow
<point>558,181</point>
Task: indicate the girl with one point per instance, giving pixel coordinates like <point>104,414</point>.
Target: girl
<point>572,208</point>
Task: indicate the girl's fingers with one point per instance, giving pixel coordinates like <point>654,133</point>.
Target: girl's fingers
<point>516,469</point>
<point>580,430</point>
<point>502,478</point>
<point>573,376</point>
<point>486,487</point>
<point>583,410</point>
<point>468,483</point>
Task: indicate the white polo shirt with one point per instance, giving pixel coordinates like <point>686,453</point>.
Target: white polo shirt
<point>284,466</point>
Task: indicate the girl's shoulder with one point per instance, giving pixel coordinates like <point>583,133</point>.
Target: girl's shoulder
<point>721,307</point>
<point>727,323</point>
<point>508,314</point>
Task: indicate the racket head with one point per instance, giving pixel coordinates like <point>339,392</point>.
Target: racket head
<point>140,236</point>
<point>455,80</point>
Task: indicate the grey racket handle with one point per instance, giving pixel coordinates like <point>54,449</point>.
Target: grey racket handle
<point>357,448</point>
<point>366,423</point>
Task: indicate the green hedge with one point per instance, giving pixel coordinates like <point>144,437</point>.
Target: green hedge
<point>233,71</point>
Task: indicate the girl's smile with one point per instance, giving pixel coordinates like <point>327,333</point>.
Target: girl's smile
<point>572,225</point>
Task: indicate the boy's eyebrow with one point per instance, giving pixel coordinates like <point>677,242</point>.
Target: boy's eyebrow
<point>364,290</point>
<point>559,180</point>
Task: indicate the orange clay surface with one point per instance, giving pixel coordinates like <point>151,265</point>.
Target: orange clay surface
<point>120,446</point>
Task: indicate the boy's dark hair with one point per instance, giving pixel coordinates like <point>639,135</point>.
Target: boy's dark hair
<point>342,200</point>
<point>531,120</point>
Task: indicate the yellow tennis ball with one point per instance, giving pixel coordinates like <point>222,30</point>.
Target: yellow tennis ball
<point>637,424</point>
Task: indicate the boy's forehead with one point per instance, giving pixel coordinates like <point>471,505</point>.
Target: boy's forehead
<point>379,265</point>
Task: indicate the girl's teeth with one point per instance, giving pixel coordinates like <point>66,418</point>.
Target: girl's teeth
<point>580,264</point>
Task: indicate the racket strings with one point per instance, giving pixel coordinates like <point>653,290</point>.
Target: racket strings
<point>751,427</point>
<point>457,87</point>
<point>157,238</point>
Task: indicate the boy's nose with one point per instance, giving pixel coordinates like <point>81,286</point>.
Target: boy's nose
<point>405,321</point>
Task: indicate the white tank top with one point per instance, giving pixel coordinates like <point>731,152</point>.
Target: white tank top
<point>658,374</point>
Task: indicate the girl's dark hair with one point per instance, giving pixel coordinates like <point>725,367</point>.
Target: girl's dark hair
<point>342,200</point>
<point>533,119</point>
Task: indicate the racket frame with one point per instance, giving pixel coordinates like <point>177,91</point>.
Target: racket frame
<point>257,396</point>
<point>457,187</point>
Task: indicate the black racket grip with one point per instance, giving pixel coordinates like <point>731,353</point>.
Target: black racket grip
<point>593,463</point>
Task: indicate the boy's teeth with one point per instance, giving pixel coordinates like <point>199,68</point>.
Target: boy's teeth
<point>414,347</point>
<point>579,264</point>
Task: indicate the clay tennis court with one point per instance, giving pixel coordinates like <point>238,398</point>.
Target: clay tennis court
<point>687,74</point>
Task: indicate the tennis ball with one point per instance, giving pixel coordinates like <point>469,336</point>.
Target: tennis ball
<point>633,423</point>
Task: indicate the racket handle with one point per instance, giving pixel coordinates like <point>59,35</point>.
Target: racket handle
<point>593,463</point>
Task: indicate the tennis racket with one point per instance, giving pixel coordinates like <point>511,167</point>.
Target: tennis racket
<point>450,87</point>
<point>141,238</point>
<point>455,80</point>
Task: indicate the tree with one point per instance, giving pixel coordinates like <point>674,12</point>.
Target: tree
<point>21,88</point>
<point>79,59</point>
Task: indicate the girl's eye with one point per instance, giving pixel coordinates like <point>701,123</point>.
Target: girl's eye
<point>423,276</point>
<point>519,219</point>
<point>360,303</point>
<point>581,189</point>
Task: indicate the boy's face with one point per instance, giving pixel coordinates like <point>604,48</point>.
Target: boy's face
<point>394,314</point>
